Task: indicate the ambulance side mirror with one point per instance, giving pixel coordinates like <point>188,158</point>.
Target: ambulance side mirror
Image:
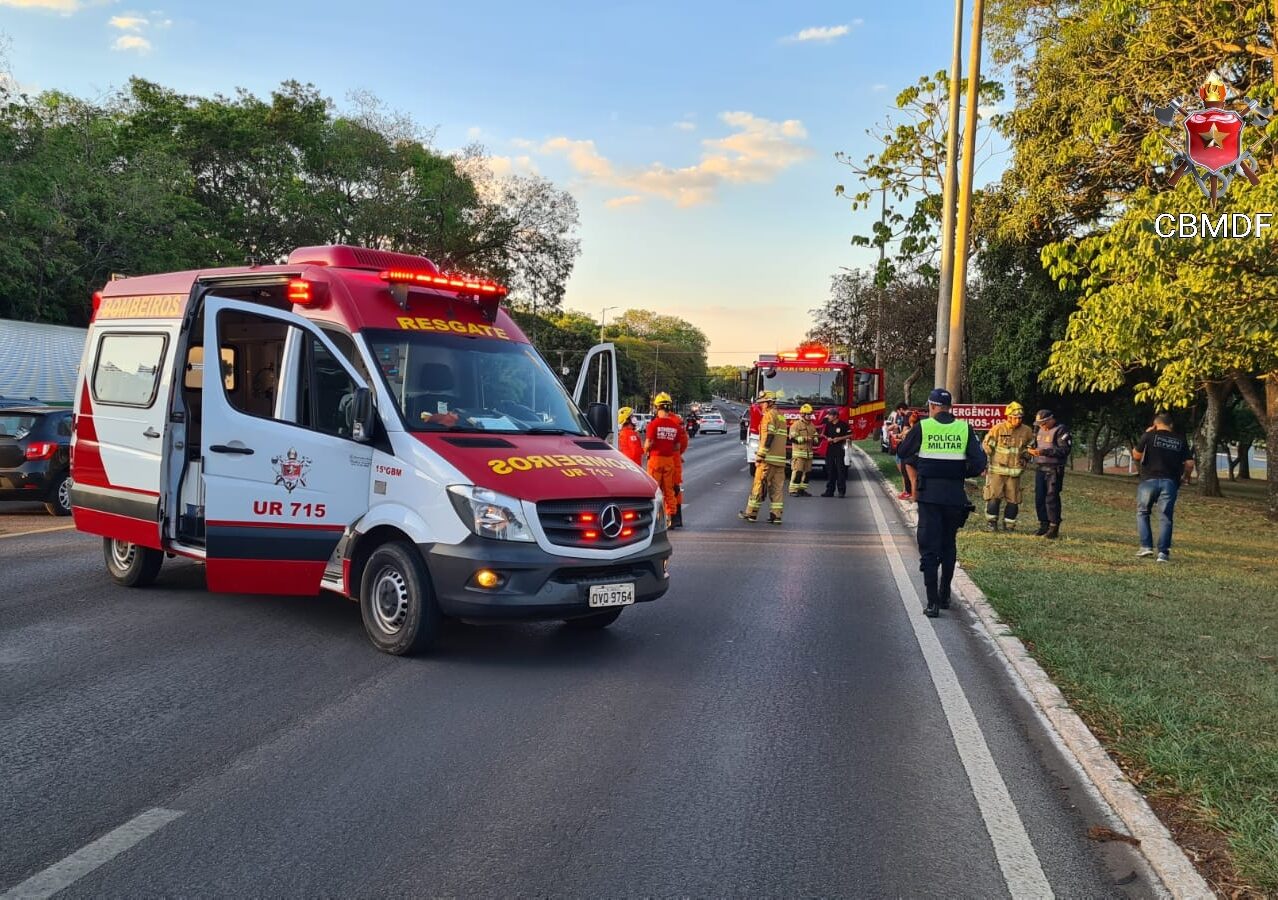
<point>362,415</point>
<point>600,418</point>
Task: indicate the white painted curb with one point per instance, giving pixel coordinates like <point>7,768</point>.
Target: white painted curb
<point>1165,857</point>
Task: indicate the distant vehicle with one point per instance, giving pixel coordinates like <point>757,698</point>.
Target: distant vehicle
<point>713,422</point>
<point>35,456</point>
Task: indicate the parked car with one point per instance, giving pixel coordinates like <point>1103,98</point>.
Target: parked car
<point>35,456</point>
<point>713,422</point>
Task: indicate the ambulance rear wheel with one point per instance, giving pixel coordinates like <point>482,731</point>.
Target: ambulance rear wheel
<point>397,602</point>
<point>596,620</point>
<point>131,565</point>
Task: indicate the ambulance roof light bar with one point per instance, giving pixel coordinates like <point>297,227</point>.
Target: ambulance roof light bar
<point>488,294</point>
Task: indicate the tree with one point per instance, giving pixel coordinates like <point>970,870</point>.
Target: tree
<point>1196,314</point>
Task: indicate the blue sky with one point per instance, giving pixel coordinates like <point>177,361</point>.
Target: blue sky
<point>698,137</point>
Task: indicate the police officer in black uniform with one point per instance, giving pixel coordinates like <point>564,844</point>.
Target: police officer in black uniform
<point>939,453</point>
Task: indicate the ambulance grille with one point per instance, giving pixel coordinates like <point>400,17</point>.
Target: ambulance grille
<point>570,523</point>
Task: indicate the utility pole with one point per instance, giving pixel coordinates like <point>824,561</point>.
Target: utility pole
<point>947,202</point>
<point>878,288</point>
<point>962,239</point>
<point>603,317</point>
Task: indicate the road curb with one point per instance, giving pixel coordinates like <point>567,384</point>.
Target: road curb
<point>1165,857</point>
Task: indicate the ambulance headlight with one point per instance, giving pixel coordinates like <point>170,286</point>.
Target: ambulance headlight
<point>490,514</point>
<point>659,514</point>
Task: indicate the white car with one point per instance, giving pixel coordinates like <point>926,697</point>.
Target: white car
<point>713,422</point>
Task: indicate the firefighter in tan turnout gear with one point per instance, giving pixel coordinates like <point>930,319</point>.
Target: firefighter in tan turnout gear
<point>803,437</point>
<point>1006,445</point>
<point>769,469</point>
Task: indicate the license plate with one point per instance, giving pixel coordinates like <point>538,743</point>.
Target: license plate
<point>612,594</point>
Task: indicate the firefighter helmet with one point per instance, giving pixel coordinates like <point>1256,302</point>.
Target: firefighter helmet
<point>624,414</point>
<point>662,399</point>
<point>1015,409</point>
<point>805,409</point>
<point>767,397</point>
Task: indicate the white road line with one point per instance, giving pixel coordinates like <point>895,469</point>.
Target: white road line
<point>1022,870</point>
<point>80,863</point>
<point>18,534</point>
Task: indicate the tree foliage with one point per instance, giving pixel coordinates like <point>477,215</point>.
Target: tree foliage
<point>154,180</point>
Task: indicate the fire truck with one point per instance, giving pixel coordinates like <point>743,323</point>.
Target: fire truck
<point>812,375</point>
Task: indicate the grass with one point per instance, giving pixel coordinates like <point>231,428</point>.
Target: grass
<point>1175,667</point>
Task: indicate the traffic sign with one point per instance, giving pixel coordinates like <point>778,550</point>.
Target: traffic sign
<point>981,416</point>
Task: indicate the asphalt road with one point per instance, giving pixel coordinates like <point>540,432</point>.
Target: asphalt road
<point>770,728</point>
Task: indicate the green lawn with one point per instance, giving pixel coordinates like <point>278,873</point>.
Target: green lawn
<point>1174,666</point>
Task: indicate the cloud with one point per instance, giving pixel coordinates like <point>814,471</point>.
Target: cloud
<point>503,166</point>
<point>822,34</point>
<point>474,133</point>
<point>62,6</point>
<point>686,126</point>
<point>128,23</point>
<point>132,42</point>
<point>879,88</point>
<point>618,202</point>
<point>756,151</point>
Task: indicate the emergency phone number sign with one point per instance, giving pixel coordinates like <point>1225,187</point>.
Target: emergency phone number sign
<point>982,417</point>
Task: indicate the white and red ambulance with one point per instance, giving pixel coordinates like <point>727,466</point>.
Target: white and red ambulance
<point>356,421</point>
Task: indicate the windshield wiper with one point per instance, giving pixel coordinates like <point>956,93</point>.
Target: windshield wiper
<point>543,430</point>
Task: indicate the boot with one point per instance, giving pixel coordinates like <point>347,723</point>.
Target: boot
<point>1042,529</point>
<point>933,608</point>
<point>1053,531</point>
<point>774,519</point>
<point>1009,524</point>
<point>749,517</point>
<point>991,523</point>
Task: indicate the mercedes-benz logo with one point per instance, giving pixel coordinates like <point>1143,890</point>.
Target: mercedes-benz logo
<point>610,520</point>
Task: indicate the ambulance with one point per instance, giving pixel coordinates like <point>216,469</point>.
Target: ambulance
<point>359,422</point>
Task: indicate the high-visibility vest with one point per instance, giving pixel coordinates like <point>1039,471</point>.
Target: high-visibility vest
<point>944,442</point>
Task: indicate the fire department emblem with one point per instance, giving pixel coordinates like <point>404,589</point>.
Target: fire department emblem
<point>291,469</point>
<point>1214,152</point>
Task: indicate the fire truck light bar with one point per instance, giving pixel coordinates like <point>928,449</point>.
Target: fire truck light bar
<point>460,284</point>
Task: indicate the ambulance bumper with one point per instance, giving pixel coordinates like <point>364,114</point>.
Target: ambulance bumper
<point>536,585</point>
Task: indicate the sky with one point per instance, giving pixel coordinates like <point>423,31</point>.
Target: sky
<point>697,137</point>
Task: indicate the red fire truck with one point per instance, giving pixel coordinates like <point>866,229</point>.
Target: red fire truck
<point>811,375</point>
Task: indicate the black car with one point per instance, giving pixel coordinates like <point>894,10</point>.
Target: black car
<point>35,456</point>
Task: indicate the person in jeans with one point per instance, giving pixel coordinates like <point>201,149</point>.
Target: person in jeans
<point>1165,462</point>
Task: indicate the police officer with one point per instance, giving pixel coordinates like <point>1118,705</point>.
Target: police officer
<point>836,432</point>
<point>803,437</point>
<point>769,462</point>
<point>1051,451</point>
<point>1007,446</point>
<point>940,452</point>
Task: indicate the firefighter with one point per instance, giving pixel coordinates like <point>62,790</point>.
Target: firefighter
<point>665,441</point>
<point>1007,446</point>
<point>803,437</point>
<point>677,520</point>
<point>628,441</point>
<point>769,468</point>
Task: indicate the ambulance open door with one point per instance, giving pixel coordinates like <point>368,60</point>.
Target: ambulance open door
<point>597,387</point>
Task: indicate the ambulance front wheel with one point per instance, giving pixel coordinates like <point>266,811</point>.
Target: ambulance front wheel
<point>397,602</point>
<point>131,565</point>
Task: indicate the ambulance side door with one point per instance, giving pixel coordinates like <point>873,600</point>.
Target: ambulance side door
<point>597,384</point>
<point>284,472</point>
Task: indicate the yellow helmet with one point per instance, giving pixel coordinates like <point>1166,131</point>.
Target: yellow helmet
<point>1015,409</point>
<point>805,409</point>
<point>662,399</point>
<point>624,414</point>
<point>767,397</point>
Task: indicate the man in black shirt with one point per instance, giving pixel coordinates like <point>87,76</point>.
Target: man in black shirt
<point>1165,462</point>
<point>939,453</point>
<point>837,432</point>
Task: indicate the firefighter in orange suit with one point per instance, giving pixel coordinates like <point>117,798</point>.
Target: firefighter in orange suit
<point>666,440</point>
<point>628,441</point>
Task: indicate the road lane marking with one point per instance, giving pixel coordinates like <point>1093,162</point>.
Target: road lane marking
<point>38,531</point>
<point>1021,868</point>
<point>80,863</point>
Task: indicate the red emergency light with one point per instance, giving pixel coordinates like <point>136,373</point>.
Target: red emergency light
<point>487,294</point>
<point>807,355</point>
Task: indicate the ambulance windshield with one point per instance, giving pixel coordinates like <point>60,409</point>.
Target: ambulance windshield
<point>445,382</point>
<point>794,387</point>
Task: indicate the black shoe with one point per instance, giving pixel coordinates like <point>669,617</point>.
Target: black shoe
<point>774,519</point>
<point>932,611</point>
<point>843,496</point>
<point>831,494</point>
<point>1053,532</point>
<point>1042,529</point>
<point>741,514</point>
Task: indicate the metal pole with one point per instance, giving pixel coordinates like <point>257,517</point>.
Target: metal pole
<point>947,202</point>
<point>878,316</point>
<point>962,240</point>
